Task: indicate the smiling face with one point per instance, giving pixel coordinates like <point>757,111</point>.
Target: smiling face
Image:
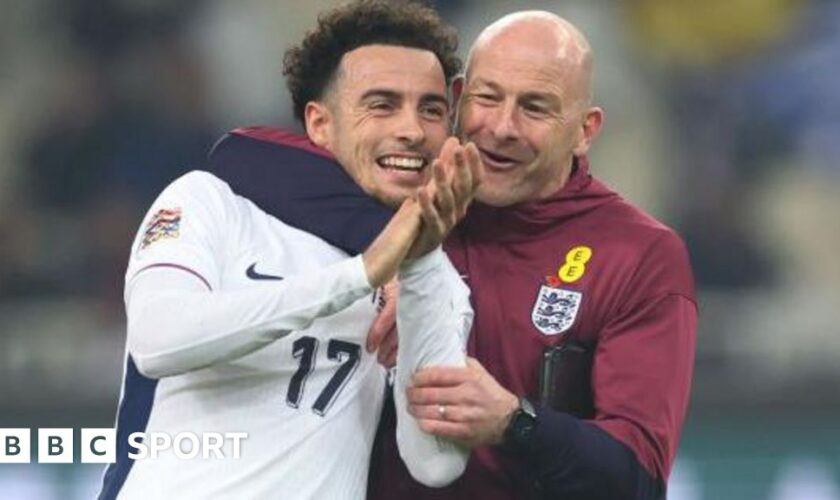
<point>384,117</point>
<point>525,104</point>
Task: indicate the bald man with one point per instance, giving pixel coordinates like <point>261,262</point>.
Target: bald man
<point>584,334</point>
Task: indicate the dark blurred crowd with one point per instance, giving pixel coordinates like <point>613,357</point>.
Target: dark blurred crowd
<point>751,86</point>
<point>130,117</point>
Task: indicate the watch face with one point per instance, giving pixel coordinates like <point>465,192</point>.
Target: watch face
<point>523,426</point>
<point>525,431</point>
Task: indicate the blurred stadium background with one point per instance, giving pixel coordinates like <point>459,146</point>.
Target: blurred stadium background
<point>723,119</point>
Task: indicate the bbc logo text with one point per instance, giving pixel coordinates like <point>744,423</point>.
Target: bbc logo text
<point>99,445</point>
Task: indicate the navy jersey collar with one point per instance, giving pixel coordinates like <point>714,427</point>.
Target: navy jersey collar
<point>301,184</point>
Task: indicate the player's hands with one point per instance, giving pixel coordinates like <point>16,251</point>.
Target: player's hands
<point>477,409</point>
<point>382,335</point>
<point>441,204</point>
<point>383,257</point>
<point>456,175</point>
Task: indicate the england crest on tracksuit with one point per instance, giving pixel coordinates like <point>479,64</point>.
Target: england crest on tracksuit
<point>555,309</point>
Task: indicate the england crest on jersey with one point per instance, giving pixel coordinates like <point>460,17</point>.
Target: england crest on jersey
<point>555,309</point>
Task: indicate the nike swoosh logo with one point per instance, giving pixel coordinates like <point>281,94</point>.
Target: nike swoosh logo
<point>254,275</point>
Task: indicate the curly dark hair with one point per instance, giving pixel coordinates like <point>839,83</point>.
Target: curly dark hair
<point>311,66</point>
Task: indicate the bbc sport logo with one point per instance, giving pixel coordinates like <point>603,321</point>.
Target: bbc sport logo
<point>99,446</point>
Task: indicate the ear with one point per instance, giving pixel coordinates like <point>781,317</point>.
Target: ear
<point>591,127</point>
<point>318,122</point>
<point>455,91</point>
<point>456,88</point>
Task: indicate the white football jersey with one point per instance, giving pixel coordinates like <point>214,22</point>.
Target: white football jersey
<point>306,391</point>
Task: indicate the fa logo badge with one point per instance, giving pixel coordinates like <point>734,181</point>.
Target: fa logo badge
<point>555,310</point>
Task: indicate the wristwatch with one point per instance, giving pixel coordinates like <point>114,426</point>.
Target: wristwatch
<point>521,427</point>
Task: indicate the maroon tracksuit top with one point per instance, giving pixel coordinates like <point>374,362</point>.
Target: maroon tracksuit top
<point>626,287</point>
